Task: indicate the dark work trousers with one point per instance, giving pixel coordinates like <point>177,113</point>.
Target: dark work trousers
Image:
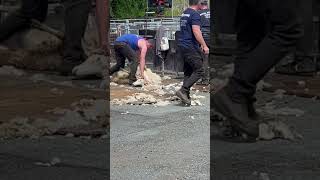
<point>76,16</point>
<point>193,66</point>
<point>76,19</point>
<point>206,68</point>
<point>123,51</point>
<point>20,19</point>
<point>266,32</point>
<point>305,44</point>
<point>206,64</point>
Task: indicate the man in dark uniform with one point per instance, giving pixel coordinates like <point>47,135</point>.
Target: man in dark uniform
<point>266,32</point>
<point>76,16</point>
<point>190,41</point>
<point>205,29</point>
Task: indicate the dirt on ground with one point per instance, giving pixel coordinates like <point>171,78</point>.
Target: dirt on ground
<point>36,98</point>
<point>160,94</point>
<point>34,104</point>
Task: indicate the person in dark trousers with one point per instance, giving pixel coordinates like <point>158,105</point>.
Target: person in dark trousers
<point>190,41</point>
<point>128,46</point>
<point>76,16</point>
<point>205,29</point>
<point>301,62</point>
<point>266,32</point>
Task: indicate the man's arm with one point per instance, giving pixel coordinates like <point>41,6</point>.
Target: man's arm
<point>143,51</point>
<point>198,35</point>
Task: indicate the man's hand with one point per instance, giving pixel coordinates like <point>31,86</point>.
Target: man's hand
<point>146,79</point>
<point>205,49</point>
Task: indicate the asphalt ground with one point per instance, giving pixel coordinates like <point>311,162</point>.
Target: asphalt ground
<point>167,142</point>
<point>277,159</point>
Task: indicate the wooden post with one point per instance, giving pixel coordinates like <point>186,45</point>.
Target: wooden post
<point>103,17</point>
<point>108,26</point>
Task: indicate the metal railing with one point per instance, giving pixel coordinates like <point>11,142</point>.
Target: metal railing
<point>132,26</point>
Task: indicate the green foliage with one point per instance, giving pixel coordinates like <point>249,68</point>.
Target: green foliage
<point>174,12</point>
<point>178,8</point>
<point>136,8</point>
<point>128,8</point>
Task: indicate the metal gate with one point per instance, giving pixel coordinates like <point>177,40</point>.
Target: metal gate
<point>172,63</point>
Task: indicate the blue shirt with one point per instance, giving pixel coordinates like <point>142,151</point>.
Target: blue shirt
<point>186,38</point>
<point>131,39</point>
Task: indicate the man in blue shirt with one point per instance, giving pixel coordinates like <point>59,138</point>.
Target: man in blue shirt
<point>127,46</point>
<point>191,43</point>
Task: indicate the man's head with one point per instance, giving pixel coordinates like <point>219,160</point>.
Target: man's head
<point>149,45</point>
<point>204,5</point>
<point>144,42</point>
<point>196,4</point>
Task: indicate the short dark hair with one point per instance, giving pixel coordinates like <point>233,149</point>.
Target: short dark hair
<point>194,2</point>
<point>204,2</point>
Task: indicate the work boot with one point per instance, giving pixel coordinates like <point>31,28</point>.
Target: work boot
<point>91,66</point>
<point>203,82</point>
<point>228,133</point>
<point>184,96</point>
<point>131,81</point>
<point>299,66</point>
<point>138,83</point>
<point>236,113</point>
